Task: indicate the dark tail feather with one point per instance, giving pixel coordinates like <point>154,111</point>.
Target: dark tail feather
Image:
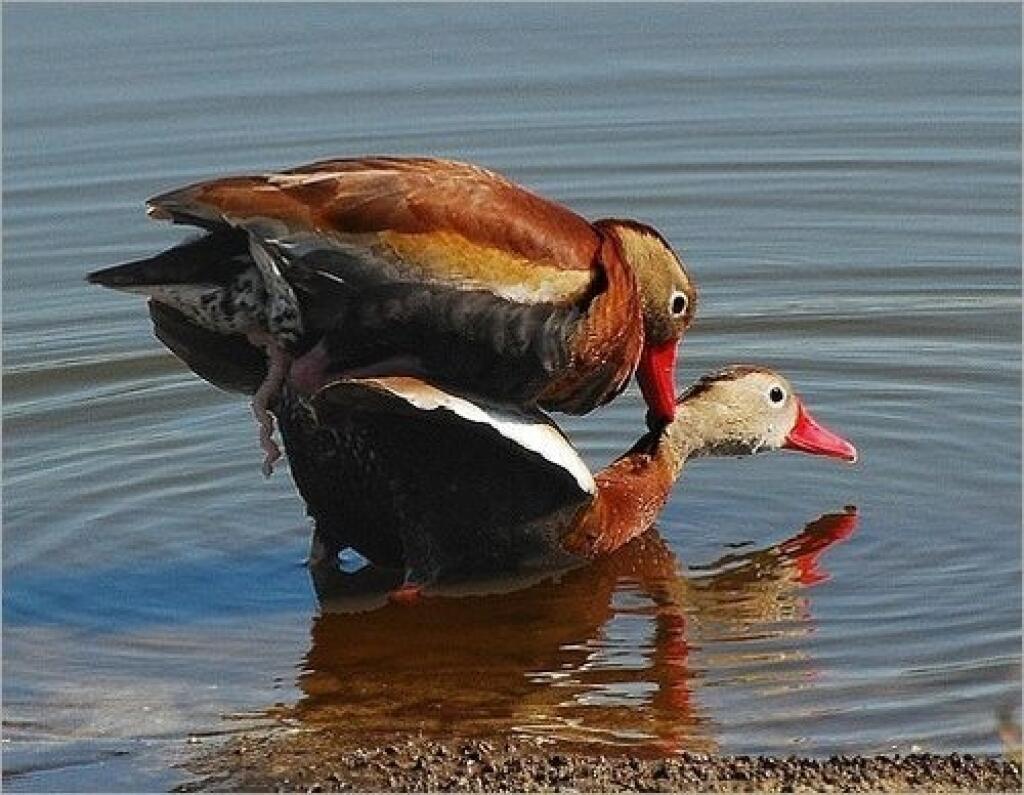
<point>205,260</point>
<point>227,361</point>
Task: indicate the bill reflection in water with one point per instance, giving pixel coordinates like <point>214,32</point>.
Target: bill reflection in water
<point>550,658</point>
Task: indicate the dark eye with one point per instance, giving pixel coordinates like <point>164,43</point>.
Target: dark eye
<point>776,395</point>
<point>678,304</point>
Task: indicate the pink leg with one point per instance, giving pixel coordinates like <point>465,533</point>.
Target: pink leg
<point>279,361</point>
<point>309,372</point>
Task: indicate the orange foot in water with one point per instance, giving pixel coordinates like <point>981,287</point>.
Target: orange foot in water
<point>408,594</point>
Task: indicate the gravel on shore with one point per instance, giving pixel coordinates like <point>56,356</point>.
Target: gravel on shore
<point>323,761</point>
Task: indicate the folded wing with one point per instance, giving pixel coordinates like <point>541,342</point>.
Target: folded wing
<point>375,220</point>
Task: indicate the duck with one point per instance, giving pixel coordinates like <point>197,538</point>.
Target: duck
<point>424,267</point>
<point>445,487</point>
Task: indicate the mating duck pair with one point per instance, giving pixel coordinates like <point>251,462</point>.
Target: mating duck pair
<point>409,321</point>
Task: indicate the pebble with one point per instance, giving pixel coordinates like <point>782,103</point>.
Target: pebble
<point>312,761</point>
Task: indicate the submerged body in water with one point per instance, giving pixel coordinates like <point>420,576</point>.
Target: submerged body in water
<point>445,488</point>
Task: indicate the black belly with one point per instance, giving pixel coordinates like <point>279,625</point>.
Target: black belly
<point>470,340</point>
<point>423,491</point>
<point>228,361</point>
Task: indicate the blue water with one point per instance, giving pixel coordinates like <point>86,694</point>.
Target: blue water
<point>844,182</point>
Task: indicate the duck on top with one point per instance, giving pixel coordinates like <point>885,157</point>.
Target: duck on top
<point>387,266</point>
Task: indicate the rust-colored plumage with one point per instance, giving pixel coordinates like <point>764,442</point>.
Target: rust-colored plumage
<point>432,220</point>
<point>426,267</point>
<point>605,346</point>
<point>422,267</point>
<point>630,494</point>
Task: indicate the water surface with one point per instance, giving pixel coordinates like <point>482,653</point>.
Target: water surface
<point>845,184</point>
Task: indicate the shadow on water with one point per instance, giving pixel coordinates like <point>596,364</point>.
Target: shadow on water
<point>557,658</point>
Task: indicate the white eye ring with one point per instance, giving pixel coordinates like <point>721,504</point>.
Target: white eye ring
<point>677,303</point>
<point>776,394</point>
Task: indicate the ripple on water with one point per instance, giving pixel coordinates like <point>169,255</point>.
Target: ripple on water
<point>844,183</point>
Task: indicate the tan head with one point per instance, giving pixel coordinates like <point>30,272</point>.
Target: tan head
<point>669,298</point>
<point>745,409</point>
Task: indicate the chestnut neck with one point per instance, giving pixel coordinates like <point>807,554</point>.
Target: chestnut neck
<point>632,490</point>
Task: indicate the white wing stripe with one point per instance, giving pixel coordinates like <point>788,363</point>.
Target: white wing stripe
<point>531,431</point>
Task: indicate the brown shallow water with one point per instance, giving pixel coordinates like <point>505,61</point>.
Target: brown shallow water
<point>845,184</point>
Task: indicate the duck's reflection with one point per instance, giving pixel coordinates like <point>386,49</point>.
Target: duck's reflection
<point>599,653</point>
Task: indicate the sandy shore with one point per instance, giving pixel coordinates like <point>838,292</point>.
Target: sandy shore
<point>323,761</point>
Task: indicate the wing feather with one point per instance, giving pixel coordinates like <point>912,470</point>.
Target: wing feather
<point>540,442</point>
<point>415,219</point>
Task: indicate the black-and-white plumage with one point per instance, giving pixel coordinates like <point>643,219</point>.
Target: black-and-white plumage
<point>226,282</point>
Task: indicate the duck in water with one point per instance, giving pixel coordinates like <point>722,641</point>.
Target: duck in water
<point>444,487</point>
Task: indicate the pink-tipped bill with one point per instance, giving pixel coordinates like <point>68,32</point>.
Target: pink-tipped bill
<point>809,436</point>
